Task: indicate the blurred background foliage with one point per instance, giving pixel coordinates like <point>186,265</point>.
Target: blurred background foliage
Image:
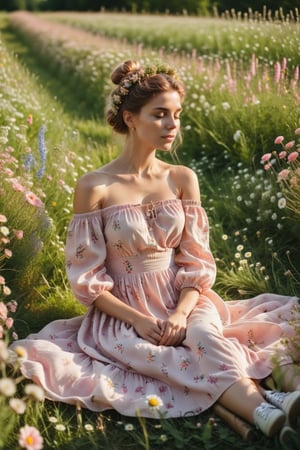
<point>192,7</point>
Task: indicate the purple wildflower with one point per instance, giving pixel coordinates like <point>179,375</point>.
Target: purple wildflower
<point>29,161</point>
<point>42,151</point>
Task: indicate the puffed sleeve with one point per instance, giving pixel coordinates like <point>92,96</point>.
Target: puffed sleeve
<point>85,254</point>
<point>197,266</point>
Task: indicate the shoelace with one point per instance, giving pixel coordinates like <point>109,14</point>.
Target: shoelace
<point>263,410</point>
<point>276,396</point>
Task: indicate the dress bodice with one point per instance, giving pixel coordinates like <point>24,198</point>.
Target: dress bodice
<point>132,239</point>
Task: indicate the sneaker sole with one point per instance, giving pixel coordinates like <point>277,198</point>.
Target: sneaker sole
<point>277,425</point>
<point>287,438</point>
<point>292,408</point>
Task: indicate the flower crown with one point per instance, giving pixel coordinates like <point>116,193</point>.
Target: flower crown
<point>134,78</point>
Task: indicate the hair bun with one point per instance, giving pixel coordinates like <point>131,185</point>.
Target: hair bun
<point>124,69</point>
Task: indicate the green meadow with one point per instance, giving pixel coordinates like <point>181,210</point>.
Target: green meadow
<point>241,134</point>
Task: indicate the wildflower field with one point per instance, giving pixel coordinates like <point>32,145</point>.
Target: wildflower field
<point>241,129</point>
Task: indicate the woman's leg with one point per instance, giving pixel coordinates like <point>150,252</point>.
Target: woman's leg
<point>245,399</point>
<point>247,390</point>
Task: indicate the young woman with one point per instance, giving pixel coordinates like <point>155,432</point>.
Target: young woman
<point>138,257</point>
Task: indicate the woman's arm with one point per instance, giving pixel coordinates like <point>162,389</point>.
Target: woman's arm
<point>147,327</point>
<point>174,328</point>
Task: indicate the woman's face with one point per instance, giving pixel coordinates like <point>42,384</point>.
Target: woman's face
<point>158,122</point>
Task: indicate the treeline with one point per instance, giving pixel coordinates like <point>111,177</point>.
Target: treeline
<point>190,7</point>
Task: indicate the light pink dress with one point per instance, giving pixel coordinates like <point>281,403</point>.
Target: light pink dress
<point>145,258</point>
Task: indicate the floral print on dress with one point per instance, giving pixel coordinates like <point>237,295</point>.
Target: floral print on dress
<point>150,357</point>
<point>199,378</point>
<point>94,236</point>
<point>163,388</point>
<point>252,342</point>
<point>164,369</point>
<point>140,390</point>
<point>128,266</point>
<point>118,245</point>
<point>169,405</point>
<point>110,383</point>
<point>116,225</point>
<point>80,251</point>
<point>119,347</point>
<point>200,350</point>
<point>185,363</point>
<point>212,380</point>
<point>186,390</point>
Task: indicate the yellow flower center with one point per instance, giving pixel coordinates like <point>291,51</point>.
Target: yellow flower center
<point>29,440</point>
<point>153,401</point>
<point>20,351</point>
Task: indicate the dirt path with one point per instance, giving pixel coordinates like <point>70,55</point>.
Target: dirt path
<point>66,33</point>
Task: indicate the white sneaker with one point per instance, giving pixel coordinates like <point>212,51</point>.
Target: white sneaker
<point>289,402</point>
<point>289,438</point>
<point>268,419</point>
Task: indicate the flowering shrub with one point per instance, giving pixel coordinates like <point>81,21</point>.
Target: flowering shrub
<point>284,163</point>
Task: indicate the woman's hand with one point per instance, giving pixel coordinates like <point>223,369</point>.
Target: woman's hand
<point>174,329</point>
<point>148,328</point>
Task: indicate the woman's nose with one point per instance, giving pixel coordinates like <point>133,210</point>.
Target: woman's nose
<point>171,122</point>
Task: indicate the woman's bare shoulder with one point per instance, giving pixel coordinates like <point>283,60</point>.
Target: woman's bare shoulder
<point>90,190</point>
<point>187,181</point>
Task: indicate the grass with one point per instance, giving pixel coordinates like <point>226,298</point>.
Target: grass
<point>232,38</point>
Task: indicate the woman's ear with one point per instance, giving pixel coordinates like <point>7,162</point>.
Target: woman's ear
<point>128,118</point>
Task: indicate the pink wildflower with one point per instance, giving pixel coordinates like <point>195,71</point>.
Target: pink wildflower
<point>283,174</point>
<point>282,154</point>
<point>17,405</point>
<point>16,185</point>
<point>3,311</point>
<point>283,64</point>
<point>19,234</point>
<point>267,166</point>
<point>8,253</point>
<point>2,280</point>
<point>12,306</point>
<point>253,65</point>
<point>3,218</point>
<point>33,199</point>
<point>8,172</point>
<point>9,322</point>
<point>266,157</point>
<point>15,336</point>
<point>277,72</point>
<point>297,131</point>
<point>6,290</point>
<point>279,140</point>
<point>29,119</point>
<point>289,145</point>
<point>292,156</point>
<point>30,438</point>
